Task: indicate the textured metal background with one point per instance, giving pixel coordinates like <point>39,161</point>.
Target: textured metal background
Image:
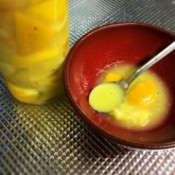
<point>52,139</point>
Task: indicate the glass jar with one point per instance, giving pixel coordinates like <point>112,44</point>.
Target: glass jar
<point>34,42</point>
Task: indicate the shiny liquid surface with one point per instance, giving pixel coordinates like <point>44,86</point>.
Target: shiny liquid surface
<point>145,104</point>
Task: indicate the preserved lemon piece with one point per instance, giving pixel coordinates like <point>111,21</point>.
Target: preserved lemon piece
<point>62,32</point>
<point>43,10</point>
<point>43,55</point>
<point>56,77</point>
<point>16,3</point>
<point>24,94</point>
<point>39,71</point>
<point>12,4</point>
<point>142,94</point>
<point>31,35</point>
<point>110,77</point>
<point>6,69</point>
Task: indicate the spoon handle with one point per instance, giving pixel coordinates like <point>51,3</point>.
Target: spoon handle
<point>151,62</point>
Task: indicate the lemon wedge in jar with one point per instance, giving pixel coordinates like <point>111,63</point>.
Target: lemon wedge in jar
<point>13,4</point>
<point>27,95</point>
<point>19,61</point>
<point>42,70</point>
<point>42,10</point>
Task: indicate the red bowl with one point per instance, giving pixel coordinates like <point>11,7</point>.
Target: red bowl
<point>116,44</point>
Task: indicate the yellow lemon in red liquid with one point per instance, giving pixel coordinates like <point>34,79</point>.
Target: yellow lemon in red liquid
<point>142,94</point>
<point>111,77</point>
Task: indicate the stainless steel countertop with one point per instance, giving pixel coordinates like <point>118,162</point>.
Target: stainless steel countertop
<point>52,139</point>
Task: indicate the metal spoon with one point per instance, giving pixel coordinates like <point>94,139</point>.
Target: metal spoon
<point>125,83</point>
<point>108,96</point>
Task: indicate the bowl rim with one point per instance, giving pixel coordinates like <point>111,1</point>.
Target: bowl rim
<point>99,131</point>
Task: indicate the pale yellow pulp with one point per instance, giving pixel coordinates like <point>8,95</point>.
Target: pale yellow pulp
<point>34,42</point>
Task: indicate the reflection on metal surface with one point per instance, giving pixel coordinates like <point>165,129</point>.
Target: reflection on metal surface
<point>51,139</point>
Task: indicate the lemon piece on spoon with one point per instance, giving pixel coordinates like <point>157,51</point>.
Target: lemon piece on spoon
<point>106,97</point>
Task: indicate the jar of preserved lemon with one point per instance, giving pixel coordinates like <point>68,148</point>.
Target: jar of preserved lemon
<point>34,42</point>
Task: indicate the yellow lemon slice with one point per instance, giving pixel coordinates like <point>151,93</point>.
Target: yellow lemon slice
<point>19,61</point>
<point>12,4</point>
<point>111,77</point>
<point>32,75</point>
<point>142,94</point>
<point>23,94</point>
<point>31,35</point>
<point>50,10</point>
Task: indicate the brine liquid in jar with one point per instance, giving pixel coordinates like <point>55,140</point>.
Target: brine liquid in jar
<point>34,42</point>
